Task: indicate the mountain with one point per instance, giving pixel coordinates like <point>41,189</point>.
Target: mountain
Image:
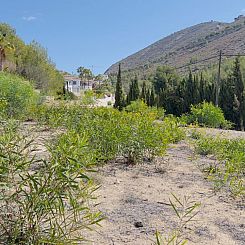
<point>188,46</point>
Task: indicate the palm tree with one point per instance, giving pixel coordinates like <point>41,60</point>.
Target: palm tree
<point>85,74</point>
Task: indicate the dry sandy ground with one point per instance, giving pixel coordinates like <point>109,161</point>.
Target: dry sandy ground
<point>141,193</point>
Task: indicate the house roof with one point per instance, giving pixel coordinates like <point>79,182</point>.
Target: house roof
<point>71,77</point>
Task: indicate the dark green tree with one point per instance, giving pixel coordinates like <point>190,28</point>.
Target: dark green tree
<point>227,92</point>
<point>196,90</point>
<point>143,92</point>
<point>152,97</point>
<point>239,91</point>
<point>134,91</point>
<point>189,90</point>
<point>119,100</point>
<point>202,89</point>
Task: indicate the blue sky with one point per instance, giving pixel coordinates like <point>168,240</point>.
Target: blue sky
<point>97,33</point>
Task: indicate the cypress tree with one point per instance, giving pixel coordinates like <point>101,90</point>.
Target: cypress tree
<point>148,94</point>
<point>196,98</point>
<point>119,100</point>
<point>143,92</point>
<point>130,94</point>
<point>202,89</point>
<point>239,91</point>
<point>152,97</point>
<point>136,90</point>
<point>189,90</point>
<point>227,92</point>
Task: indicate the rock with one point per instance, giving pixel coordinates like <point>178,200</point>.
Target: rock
<point>138,224</point>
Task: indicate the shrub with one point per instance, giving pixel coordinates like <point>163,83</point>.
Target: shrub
<point>206,114</point>
<point>44,201</point>
<point>139,106</point>
<point>16,96</point>
<point>88,98</point>
<point>230,168</point>
<point>112,134</point>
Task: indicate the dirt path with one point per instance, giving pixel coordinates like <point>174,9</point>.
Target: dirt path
<point>130,194</point>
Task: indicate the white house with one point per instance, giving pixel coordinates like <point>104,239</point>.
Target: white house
<point>75,85</point>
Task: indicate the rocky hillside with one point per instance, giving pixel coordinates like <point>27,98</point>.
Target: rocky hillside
<point>189,46</point>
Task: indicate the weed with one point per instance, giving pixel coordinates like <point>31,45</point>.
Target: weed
<point>186,211</point>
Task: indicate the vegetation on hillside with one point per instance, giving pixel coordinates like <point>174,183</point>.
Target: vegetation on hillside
<point>28,60</point>
<point>186,47</point>
<point>177,95</point>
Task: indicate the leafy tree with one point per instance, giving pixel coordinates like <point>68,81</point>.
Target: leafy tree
<point>85,73</point>
<point>30,61</point>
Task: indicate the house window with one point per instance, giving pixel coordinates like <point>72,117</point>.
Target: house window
<point>74,82</point>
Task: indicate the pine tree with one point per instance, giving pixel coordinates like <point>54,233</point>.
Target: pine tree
<point>119,100</point>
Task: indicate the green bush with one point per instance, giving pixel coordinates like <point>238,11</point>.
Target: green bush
<point>208,115</point>
<point>17,96</point>
<point>45,201</point>
<point>139,106</point>
<point>230,168</point>
<point>112,134</point>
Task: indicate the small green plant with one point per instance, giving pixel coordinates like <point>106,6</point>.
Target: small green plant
<point>88,98</point>
<point>185,210</point>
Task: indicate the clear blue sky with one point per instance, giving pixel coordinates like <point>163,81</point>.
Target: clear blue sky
<point>100,32</point>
